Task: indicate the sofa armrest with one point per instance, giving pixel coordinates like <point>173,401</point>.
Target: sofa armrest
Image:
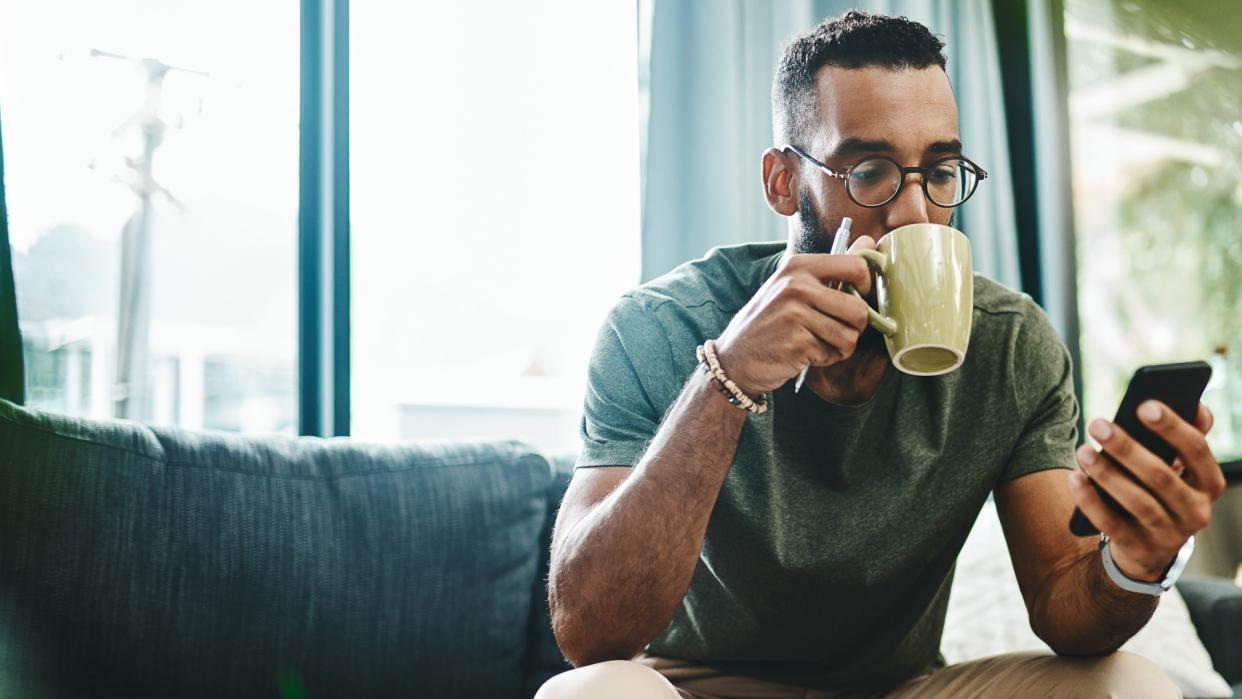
<point>1215,606</point>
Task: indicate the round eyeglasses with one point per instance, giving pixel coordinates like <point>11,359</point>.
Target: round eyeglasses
<point>875,181</point>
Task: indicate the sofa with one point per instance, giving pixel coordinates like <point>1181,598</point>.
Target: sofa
<point>142,561</point>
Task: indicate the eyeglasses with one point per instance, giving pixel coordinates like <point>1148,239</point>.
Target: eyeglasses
<point>875,181</point>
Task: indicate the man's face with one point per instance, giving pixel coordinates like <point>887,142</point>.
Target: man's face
<point>907,115</point>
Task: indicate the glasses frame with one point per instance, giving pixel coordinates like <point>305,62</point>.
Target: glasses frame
<point>844,176</point>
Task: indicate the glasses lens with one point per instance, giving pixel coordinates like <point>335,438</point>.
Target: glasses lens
<point>874,181</point>
<point>950,182</point>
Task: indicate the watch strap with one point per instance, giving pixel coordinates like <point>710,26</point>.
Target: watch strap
<point>1145,587</point>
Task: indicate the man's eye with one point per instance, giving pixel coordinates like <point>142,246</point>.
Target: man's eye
<point>866,174</point>
<point>943,174</point>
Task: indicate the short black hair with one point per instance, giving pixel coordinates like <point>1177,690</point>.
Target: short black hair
<point>856,39</point>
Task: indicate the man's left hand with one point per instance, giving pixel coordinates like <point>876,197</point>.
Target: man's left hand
<point>1167,504</point>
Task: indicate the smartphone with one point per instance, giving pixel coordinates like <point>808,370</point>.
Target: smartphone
<point>1179,386</point>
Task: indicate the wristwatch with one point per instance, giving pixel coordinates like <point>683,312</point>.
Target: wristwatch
<point>1171,574</point>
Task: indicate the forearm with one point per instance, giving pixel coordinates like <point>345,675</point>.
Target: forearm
<point>1080,611</point>
<point>620,573</point>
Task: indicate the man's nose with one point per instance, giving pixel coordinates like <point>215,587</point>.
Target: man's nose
<point>910,205</point>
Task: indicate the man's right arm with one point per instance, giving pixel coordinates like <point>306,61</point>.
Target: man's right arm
<point>627,540</point>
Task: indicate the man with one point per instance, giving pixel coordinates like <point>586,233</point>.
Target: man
<point>808,550</point>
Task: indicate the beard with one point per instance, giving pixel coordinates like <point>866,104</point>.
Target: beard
<point>811,237</point>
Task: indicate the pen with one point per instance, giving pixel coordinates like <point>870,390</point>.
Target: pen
<point>840,242</point>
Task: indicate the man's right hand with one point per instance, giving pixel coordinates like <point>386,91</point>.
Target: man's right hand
<point>796,320</point>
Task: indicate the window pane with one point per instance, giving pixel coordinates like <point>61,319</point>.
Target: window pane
<point>1155,107</point>
<point>168,129</point>
<point>494,211</point>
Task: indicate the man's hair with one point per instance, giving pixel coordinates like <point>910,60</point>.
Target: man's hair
<point>854,40</point>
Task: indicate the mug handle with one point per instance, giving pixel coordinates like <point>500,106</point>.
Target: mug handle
<point>886,326</point>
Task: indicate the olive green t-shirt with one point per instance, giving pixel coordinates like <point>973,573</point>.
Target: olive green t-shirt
<point>829,553</point>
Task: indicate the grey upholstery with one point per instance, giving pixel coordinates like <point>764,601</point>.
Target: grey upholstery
<point>1215,606</point>
<point>139,561</point>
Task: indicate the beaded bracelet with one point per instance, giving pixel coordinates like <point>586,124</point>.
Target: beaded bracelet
<point>706,354</point>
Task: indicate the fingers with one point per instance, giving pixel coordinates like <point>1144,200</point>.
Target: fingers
<point>1190,442</point>
<point>1105,519</point>
<point>1204,419</point>
<point>830,320</point>
<point>1146,509</point>
<point>864,242</point>
<point>830,269</point>
<point>839,305</point>
<point>833,317</point>
<point>836,337</point>
<point>1143,484</point>
<point>811,294</point>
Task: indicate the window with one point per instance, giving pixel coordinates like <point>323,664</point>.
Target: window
<point>495,212</point>
<point>1156,133</point>
<point>151,154</point>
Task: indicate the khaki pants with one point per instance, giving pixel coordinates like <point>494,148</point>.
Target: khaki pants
<point>1120,675</point>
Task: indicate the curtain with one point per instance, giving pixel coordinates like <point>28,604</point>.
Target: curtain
<point>12,383</point>
<point>710,119</point>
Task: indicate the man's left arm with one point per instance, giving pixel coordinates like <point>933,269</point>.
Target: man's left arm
<point>1073,605</point>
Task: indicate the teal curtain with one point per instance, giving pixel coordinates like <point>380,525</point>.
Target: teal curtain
<point>12,384</point>
<point>709,121</point>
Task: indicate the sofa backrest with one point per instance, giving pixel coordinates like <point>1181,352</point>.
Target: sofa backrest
<point>142,561</point>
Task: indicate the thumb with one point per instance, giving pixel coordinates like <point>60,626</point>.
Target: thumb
<point>864,242</point>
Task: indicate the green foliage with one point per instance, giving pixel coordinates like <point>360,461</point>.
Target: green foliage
<point>1176,222</point>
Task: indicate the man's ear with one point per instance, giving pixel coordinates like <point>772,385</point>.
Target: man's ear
<point>780,181</point>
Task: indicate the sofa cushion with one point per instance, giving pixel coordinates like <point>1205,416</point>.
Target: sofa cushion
<point>156,562</point>
<point>1216,607</point>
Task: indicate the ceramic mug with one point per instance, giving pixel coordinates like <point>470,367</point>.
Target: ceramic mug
<point>925,293</point>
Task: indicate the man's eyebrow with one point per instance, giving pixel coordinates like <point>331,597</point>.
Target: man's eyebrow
<point>854,145</point>
<point>861,145</point>
<point>950,146</point>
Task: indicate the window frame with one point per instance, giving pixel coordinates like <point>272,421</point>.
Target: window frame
<point>323,221</point>
<point>1031,41</point>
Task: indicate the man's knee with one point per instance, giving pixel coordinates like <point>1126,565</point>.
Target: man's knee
<point>1124,674</point>
<point>612,679</point>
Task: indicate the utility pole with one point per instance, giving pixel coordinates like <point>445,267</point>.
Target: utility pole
<point>131,395</point>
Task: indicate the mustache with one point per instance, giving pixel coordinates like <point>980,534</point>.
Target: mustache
<point>812,237</point>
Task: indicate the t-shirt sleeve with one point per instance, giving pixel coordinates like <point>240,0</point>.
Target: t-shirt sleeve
<point>1043,385</point>
<point>628,384</point>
